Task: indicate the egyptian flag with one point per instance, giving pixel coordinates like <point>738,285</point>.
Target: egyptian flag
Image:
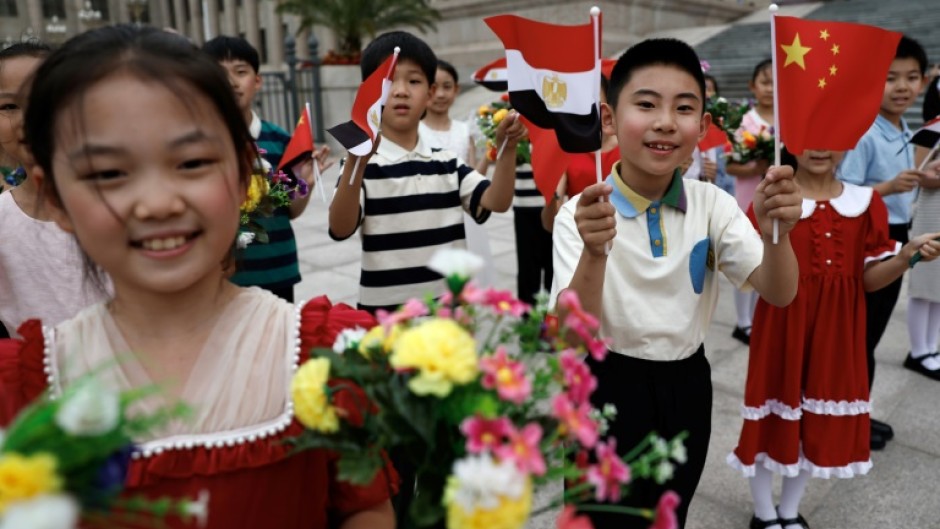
<point>554,77</point>
<point>358,134</point>
<point>549,162</point>
<point>300,146</point>
<point>492,76</point>
<point>928,135</point>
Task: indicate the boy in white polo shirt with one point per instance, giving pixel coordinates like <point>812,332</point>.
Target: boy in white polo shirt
<point>656,289</point>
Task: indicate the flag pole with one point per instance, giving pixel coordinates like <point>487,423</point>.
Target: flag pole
<point>773,58</point>
<point>388,77</point>
<point>595,22</point>
<point>317,181</point>
<point>933,151</point>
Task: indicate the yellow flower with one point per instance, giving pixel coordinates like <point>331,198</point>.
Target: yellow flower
<point>499,115</point>
<point>24,477</point>
<point>443,352</point>
<point>510,513</point>
<point>483,110</point>
<point>257,190</point>
<point>377,337</point>
<point>308,392</point>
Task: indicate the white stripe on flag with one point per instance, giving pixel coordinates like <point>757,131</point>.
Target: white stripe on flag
<point>574,93</point>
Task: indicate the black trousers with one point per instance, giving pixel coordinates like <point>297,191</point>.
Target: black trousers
<point>533,253</point>
<point>879,305</point>
<point>663,397</point>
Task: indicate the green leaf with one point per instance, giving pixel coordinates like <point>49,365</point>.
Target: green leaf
<point>359,468</point>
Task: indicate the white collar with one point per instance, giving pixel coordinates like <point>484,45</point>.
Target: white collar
<point>394,152</point>
<point>853,201</point>
<point>254,128</point>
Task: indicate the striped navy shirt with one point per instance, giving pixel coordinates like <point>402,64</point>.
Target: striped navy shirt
<point>411,205</point>
<point>527,195</point>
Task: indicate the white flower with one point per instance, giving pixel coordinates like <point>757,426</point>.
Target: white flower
<point>660,447</point>
<point>481,482</point>
<point>455,262</point>
<point>91,410</point>
<point>55,511</point>
<point>663,472</point>
<point>677,451</point>
<point>199,509</point>
<point>348,339</point>
<point>244,239</point>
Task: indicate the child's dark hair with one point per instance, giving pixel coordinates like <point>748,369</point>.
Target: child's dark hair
<point>709,77</point>
<point>761,66</point>
<point>411,49</point>
<point>909,48</point>
<point>655,52</point>
<point>34,49</point>
<point>225,48</point>
<point>449,68</point>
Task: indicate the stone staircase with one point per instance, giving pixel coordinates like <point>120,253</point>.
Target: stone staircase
<point>734,52</point>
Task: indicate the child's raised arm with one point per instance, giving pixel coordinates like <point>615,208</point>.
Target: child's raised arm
<point>597,227</point>
<point>777,197</point>
<point>344,209</point>
<point>880,274</point>
<point>498,196</point>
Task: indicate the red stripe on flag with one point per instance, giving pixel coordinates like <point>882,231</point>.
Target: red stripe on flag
<point>549,162</point>
<point>540,43</point>
<point>369,92</point>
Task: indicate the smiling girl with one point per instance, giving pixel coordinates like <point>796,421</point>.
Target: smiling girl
<point>146,159</point>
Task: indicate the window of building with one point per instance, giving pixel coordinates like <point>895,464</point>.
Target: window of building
<point>8,8</point>
<point>53,8</point>
<point>263,49</point>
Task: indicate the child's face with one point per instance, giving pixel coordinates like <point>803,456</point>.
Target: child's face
<point>902,86</point>
<point>763,88</point>
<point>245,82</point>
<point>148,183</point>
<point>445,92</point>
<point>819,163</point>
<point>407,99</point>
<point>14,73</point>
<point>710,90</point>
<point>658,121</point>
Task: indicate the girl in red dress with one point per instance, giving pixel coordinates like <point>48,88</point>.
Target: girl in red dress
<point>145,158</point>
<point>806,406</point>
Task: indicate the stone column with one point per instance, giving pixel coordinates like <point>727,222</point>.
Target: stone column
<point>250,14</point>
<point>230,18</point>
<point>303,50</point>
<point>195,22</point>
<point>34,13</point>
<point>212,15</point>
<point>164,11</point>
<point>274,34</point>
<point>179,17</point>
<point>122,11</point>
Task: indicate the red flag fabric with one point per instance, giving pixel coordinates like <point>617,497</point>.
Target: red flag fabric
<point>548,160</point>
<point>822,67</point>
<point>714,137</point>
<point>300,145</point>
<point>607,67</point>
<point>358,134</point>
<point>492,76</point>
<point>555,87</point>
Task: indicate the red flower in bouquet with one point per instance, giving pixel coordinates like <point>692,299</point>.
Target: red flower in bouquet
<point>507,376</point>
<point>666,511</point>
<point>523,449</point>
<point>578,377</point>
<point>569,519</point>
<point>609,474</point>
<point>350,402</point>
<point>576,422</point>
<point>484,434</point>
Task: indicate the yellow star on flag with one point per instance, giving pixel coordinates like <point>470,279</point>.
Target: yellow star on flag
<point>835,49</point>
<point>301,120</point>
<point>833,70</point>
<point>822,82</point>
<point>795,52</point>
<point>824,34</point>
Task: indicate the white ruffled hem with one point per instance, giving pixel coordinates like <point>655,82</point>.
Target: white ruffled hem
<point>851,470</point>
<point>816,406</point>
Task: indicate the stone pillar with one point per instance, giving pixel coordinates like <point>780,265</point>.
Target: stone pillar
<point>303,49</point>
<point>250,14</point>
<point>230,18</point>
<point>212,15</point>
<point>195,22</point>
<point>274,34</point>
<point>179,19</point>
<point>34,13</point>
<point>164,11</point>
<point>123,12</point>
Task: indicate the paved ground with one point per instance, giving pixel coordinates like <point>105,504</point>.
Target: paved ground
<point>903,489</point>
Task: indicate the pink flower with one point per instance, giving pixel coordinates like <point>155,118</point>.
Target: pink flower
<point>609,473</point>
<point>506,375</point>
<point>484,434</point>
<point>503,302</point>
<point>576,421</point>
<point>578,378</point>
<point>412,308</point>
<point>666,511</point>
<point>569,302</point>
<point>569,519</point>
<point>523,449</point>
<point>472,295</point>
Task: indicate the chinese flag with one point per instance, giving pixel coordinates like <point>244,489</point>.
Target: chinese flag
<point>830,81</point>
<point>300,145</point>
<point>714,137</point>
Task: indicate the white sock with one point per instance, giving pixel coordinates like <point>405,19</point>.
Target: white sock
<point>791,495</point>
<point>754,297</point>
<point>933,327</point>
<point>742,307</point>
<point>918,314</point>
<point>763,494</point>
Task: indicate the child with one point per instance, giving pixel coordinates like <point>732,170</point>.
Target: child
<point>806,402</point>
<point>146,159</point>
<point>748,175</point>
<point>408,197</point>
<point>884,160</point>
<point>40,265</point>
<point>444,133</point>
<point>656,289</point>
<point>722,178</point>
<point>272,265</point>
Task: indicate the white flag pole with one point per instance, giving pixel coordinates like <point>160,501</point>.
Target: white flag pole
<point>595,23</point>
<point>388,76</point>
<point>933,151</point>
<point>773,58</point>
<point>317,177</point>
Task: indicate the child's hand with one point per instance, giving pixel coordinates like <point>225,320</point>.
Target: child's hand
<point>595,219</point>
<point>510,128</point>
<point>927,244</point>
<point>709,170</point>
<point>304,169</point>
<point>906,181</point>
<point>778,197</point>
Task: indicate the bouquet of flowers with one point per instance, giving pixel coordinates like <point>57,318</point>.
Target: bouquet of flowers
<point>727,115</point>
<point>463,386</point>
<point>747,146</point>
<point>268,190</point>
<point>64,462</point>
<point>488,119</point>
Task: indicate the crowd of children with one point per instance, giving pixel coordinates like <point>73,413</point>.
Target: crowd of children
<point>120,243</point>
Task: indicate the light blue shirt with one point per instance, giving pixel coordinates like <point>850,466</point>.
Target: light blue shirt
<point>880,155</point>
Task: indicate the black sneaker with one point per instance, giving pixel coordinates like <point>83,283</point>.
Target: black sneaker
<point>742,334</point>
<point>883,429</point>
<point>917,365</point>
<point>877,442</point>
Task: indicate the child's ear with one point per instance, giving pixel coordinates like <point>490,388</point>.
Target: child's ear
<point>258,81</point>
<point>703,125</point>
<point>432,89</point>
<point>56,210</point>
<point>608,121</point>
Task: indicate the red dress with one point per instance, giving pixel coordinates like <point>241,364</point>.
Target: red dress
<point>251,481</point>
<point>806,401</point>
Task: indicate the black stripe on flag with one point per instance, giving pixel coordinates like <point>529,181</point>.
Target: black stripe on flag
<point>496,86</point>
<point>349,134</point>
<point>576,133</point>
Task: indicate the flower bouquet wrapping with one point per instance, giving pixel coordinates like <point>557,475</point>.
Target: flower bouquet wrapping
<point>488,119</point>
<point>268,190</point>
<point>64,462</point>
<point>463,387</point>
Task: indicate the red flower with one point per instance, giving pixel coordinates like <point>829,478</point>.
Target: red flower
<point>323,321</point>
<point>666,511</point>
<point>575,420</point>
<point>609,473</point>
<point>579,380</point>
<point>351,402</point>
<point>569,519</point>
<point>505,97</point>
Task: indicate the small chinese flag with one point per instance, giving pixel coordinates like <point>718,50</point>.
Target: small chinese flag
<point>300,146</point>
<point>830,81</point>
<point>714,137</point>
